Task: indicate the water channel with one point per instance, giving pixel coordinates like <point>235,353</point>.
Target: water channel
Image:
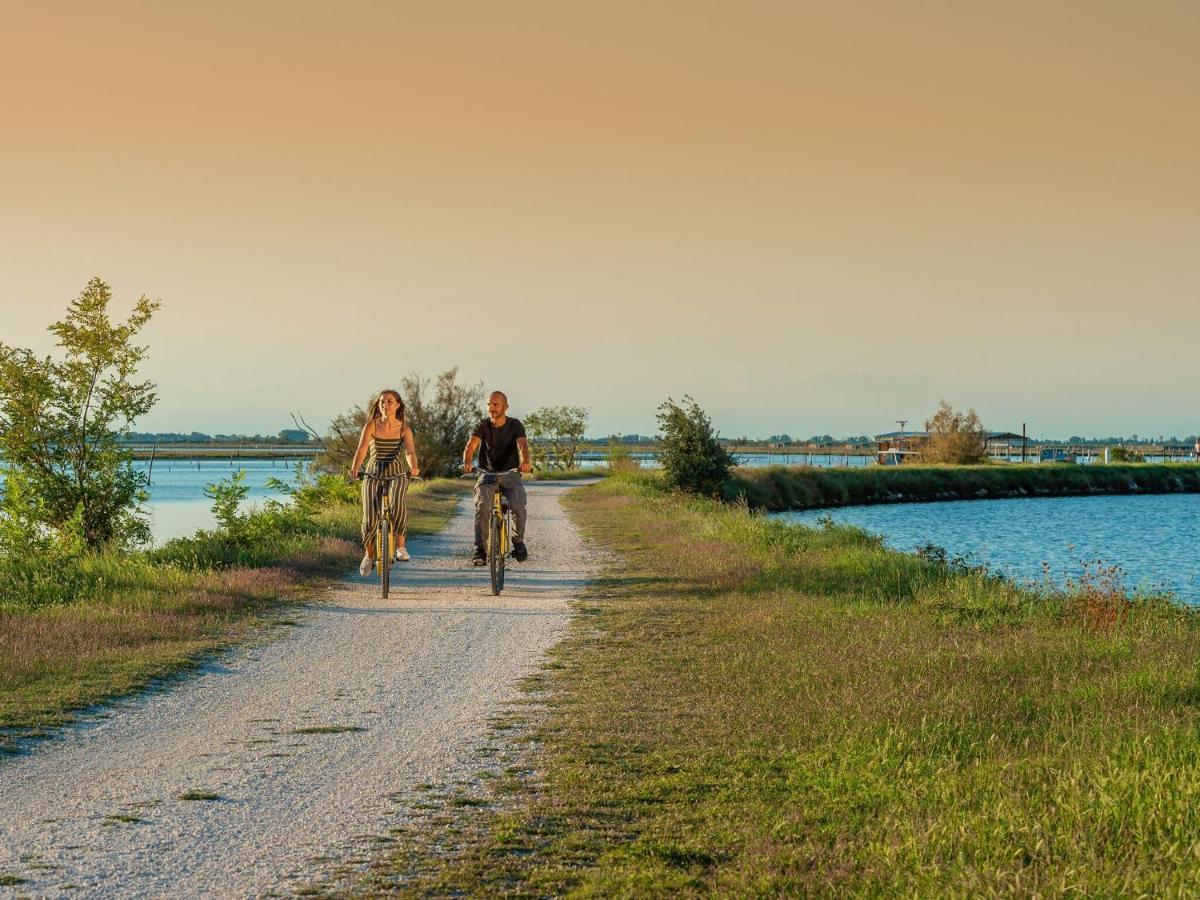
<point>1155,539</point>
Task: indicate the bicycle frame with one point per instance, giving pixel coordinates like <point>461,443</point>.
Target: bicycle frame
<point>498,543</point>
<point>385,539</point>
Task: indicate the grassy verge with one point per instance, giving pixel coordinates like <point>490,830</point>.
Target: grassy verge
<point>568,474</point>
<point>92,628</point>
<point>804,487</point>
<point>748,708</point>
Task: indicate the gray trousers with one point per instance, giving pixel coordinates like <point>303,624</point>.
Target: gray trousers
<point>514,490</point>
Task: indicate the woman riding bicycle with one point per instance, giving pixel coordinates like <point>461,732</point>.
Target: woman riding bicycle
<point>385,433</point>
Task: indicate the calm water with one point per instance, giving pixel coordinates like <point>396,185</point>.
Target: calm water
<point>1154,539</point>
<point>177,504</point>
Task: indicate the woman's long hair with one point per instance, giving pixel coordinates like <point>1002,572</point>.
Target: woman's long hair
<point>377,413</point>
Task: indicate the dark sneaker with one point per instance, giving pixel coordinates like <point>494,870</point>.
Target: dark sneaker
<point>480,557</point>
<point>520,554</point>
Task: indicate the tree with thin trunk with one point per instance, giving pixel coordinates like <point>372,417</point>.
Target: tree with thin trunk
<point>554,435</point>
<point>62,423</point>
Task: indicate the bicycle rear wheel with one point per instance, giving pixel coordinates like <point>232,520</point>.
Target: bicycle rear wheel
<point>496,550</point>
<point>384,553</point>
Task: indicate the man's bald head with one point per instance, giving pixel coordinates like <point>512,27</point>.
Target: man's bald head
<point>497,406</point>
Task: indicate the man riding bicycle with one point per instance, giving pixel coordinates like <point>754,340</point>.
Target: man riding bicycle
<point>501,443</point>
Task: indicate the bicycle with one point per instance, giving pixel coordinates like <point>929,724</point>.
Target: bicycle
<point>499,527</point>
<point>385,537</point>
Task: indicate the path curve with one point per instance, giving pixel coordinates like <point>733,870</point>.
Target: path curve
<point>420,674</point>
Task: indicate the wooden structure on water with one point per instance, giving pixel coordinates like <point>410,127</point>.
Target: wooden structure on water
<point>219,451</point>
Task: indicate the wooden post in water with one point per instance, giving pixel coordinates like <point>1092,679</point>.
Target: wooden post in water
<point>150,468</point>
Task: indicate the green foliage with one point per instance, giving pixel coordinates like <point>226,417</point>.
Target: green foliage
<point>955,438</point>
<point>692,457</point>
<point>227,495</point>
<point>61,422</point>
<point>554,435</point>
<point>441,414</point>
<point>1125,455</point>
<point>23,531</point>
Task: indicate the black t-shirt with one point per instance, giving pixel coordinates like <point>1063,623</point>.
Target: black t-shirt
<point>498,446</point>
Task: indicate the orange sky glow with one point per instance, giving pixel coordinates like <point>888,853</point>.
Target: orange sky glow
<point>812,218</point>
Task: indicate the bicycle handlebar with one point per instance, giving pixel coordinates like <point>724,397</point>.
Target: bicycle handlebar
<point>478,471</point>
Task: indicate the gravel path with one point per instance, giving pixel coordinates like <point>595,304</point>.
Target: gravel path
<point>416,678</point>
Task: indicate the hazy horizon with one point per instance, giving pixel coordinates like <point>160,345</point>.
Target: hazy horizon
<point>812,219</point>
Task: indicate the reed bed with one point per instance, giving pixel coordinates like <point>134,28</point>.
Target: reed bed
<point>806,487</point>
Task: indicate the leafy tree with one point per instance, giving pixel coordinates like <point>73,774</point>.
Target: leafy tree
<point>692,458</point>
<point>954,437</point>
<point>442,414</point>
<point>62,423</point>
<point>554,435</point>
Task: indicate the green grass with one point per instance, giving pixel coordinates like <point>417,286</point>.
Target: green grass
<point>746,708</point>
<point>201,796</point>
<point>327,729</point>
<point>804,487</point>
<point>568,474</point>
<point>79,631</point>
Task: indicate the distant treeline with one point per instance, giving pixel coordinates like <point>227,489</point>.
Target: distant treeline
<point>297,436</point>
<point>782,488</point>
<point>287,436</point>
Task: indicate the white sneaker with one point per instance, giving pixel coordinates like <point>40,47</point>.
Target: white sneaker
<point>401,554</point>
<point>365,567</point>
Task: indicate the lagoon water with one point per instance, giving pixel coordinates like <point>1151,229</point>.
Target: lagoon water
<point>1154,539</point>
<point>177,504</point>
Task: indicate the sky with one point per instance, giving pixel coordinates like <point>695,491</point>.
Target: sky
<point>811,217</point>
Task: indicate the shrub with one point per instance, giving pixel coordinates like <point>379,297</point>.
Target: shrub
<point>957,438</point>
<point>1125,455</point>
<point>620,458</point>
<point>693,459</point>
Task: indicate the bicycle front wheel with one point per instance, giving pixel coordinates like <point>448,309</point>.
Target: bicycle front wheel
<point>496,556</point>
<point>384,553</point>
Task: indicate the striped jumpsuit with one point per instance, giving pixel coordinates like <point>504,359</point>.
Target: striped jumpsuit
<point>386,459</point>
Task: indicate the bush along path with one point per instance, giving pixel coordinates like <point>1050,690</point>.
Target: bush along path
<point>293,760</point>
<point>744,708</point>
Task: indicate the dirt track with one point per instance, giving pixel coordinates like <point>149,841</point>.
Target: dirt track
<point>417,677</point>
